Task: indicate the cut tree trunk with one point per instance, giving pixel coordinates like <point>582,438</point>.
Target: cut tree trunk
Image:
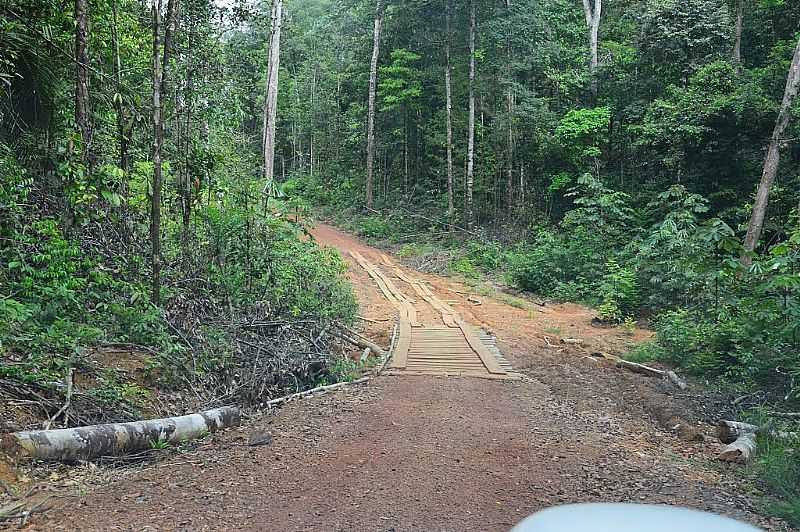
<point>771,161</point>
<point>740,451</point>
<point>730,431</point>
<point>373,83</point>
<point>86,443</point>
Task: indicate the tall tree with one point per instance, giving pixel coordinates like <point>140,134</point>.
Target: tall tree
<point>82,75</point>
<point>737,43</point>
<point>271,97</point>
<point>772,159</point>
<point>510,118</point>
<point>160,66</point>
<point>592,9</point>
<point>470,177</point>
<point>449,97</point>
<point>119,105</point>
<point>373,82</point>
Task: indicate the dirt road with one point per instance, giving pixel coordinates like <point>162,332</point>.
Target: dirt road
<point>437,454</point>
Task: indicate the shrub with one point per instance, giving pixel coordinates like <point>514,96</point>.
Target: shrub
<point>375,227</point>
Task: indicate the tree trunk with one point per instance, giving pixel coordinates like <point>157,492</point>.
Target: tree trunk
<point>592,12</point>
<point>118,102</point>
<point>82,75</point>
<point>771,161</point>
<point>186,182</point>
<point>471,123</point>
<point>160,65</point>
<point>373,82</point>
<point>510,147</point>
<point>155,198</point>
<point>271,97</point>
<point>449,96</point>
<point>737,45</point>
<point>86,443</point>
<point>740,451</point>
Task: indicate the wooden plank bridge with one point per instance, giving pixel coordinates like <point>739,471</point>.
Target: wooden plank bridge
<point>452,347</point>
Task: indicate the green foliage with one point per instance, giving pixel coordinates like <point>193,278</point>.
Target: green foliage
<point>399,82</point>
<point>618,292</point>
<point>680,36</point>
<point>778,464</point>
<point>375,227</point>
<point>583,133</point>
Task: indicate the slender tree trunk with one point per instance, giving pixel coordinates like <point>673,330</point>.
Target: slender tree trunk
<point>771,160</point>
<point>160,65</point>
<point>449,97</point>
<point>271,97</point>
<point>510,125</point>
<point>82,75</point>
<point>186,182</point>
<point>373,82</point>
<point>510,150</point>
<point>737,45</point>
<point>118,101</point>
<point>313,115</point>
<point>471,122</point>
<point>593,9</point>
<point>405,152</point>
<point>155,199</point>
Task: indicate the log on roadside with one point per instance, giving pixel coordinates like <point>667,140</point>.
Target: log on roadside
<point>644,370</point>
<point>730,431</point>
<point>359,341</point>
<point>318,390</point>
<point>740,451</point>
<point>86,443</point>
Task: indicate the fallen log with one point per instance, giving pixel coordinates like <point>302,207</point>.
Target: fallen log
<point>730,431</point>
<point>319,389</point>
<point>86,443</point>
<point>359,341</point>
<point>371,320</point>
<point>644,370</point>
<point>740,451</point>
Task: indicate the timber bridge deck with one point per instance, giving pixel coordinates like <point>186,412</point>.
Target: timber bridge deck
<point>451,348</point>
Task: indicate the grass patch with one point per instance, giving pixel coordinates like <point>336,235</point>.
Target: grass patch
<point>778,465</point>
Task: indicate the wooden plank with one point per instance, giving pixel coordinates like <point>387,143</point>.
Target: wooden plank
<point>412,314</point>
<point>488,359</point>
<point>468,357</point>
<point>400,358</point>
<point>489,376</point>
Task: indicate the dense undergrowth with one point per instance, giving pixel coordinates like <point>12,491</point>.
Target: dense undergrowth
<point>246,304</point>
<point>665,263</point>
